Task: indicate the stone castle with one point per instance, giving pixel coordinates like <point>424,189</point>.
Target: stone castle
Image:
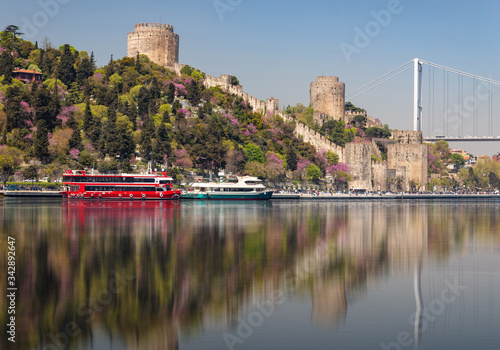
<point>407,156</point>
<point>157,41</point>
<point>327,99</point>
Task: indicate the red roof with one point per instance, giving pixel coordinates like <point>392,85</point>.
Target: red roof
<point>32,71</point>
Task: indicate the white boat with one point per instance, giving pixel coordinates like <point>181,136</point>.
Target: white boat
<point>240,188</point>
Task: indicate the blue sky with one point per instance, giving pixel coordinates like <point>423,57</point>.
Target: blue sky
<point>276,48</point>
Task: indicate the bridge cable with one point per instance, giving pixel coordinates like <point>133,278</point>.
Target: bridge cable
<point>456,71</point>
<point>373,81</point>
<point>380,83</point>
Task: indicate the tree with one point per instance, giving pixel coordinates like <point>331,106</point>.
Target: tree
<point>126,145</point>
<point>313,172</point>
<point>76,138</point>
<point>335,130</point>
<point>333,158</point>
<point>110,135</point>
<point>47,106</point>
<point>457,159</point>
<point>162,147</point>
<point>234,81</point>
<point>187,70</point>
<point>110,69</point>
<point>10,159</point>
<point>494,180</point>
<point>85,158</point>
<point>66,70</point>
<point>12,108</point>
<point>41,142</point>
<point>30,173</point>
<point>14,30</point>
<point>359,121</point>
<point>254,153</point>
<point>143,102</point>
<point>147,134</point>
<point>6,66</point>
<point>171,93</point>
<point>84,71</point>
<point>193,93</point>
<point>291,159</point>
<point>138,65</point>
<point>307,151</point>
<point>443,149</point>
<point>376,132</point>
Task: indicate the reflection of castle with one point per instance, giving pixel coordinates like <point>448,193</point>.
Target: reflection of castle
<point>207,271</point>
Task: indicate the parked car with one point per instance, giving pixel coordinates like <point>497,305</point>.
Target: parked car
<point>35,188</point>
<point>12,188</point>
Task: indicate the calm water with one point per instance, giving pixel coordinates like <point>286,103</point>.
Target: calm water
<point>275,275</point>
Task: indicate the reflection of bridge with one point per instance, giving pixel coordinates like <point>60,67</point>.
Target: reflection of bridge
<point>455,104</point>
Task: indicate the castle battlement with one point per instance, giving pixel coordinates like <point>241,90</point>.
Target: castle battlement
<point>153,27</point>
<point>328,79</point>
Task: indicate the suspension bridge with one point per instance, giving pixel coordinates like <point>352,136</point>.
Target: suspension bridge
<point>448,104</point>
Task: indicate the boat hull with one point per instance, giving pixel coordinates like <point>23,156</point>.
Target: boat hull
<point>240,196</point>
<point>166,195</point>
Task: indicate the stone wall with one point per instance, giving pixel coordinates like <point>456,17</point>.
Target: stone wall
<point>156,40</point>
<point>327,99</point>
<point>408,137</point>
<point>379,171</point>
<point>224,82</point>
<point>413,157</point>
<point>358,157</point>
<point>271,106</point>
<point>315,138</point>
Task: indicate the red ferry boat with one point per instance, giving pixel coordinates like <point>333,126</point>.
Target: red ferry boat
<point>154,185</point>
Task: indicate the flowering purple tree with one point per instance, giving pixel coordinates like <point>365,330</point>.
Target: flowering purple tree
<point>182,159</point>
<point>340,175</point>
<point>74,153</point>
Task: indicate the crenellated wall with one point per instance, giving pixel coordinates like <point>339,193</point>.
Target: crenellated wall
<point>272,106</point>
<point>407,137</point>
<point>314,138</point>
<point>224,82</point>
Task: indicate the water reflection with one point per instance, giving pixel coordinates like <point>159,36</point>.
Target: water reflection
<point>144,275</point>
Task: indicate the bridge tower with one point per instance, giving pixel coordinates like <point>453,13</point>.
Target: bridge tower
<point>417,95</point>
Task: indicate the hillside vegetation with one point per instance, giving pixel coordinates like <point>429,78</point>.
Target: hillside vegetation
<point>118,117</point>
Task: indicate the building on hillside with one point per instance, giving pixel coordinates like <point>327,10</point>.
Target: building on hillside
<point>27,76</point>
<point>459,151</point>
<point>496,157</point>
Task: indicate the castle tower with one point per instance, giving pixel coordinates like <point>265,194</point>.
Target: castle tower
<point>327,99</point>
<point>272,105</point>
<point>157,41</point>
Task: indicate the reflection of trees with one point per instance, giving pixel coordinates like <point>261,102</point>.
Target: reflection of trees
<point>202,263</point>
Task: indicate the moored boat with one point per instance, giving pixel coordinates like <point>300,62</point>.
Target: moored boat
<point>153,185</point>
<point>241,188</point>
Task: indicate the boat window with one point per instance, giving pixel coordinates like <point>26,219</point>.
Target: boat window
<point>160,189</point>
<point>120,188</point>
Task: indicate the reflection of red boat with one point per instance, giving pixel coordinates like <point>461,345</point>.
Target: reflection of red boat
<point>96,217</point>
<point>155,185</point>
